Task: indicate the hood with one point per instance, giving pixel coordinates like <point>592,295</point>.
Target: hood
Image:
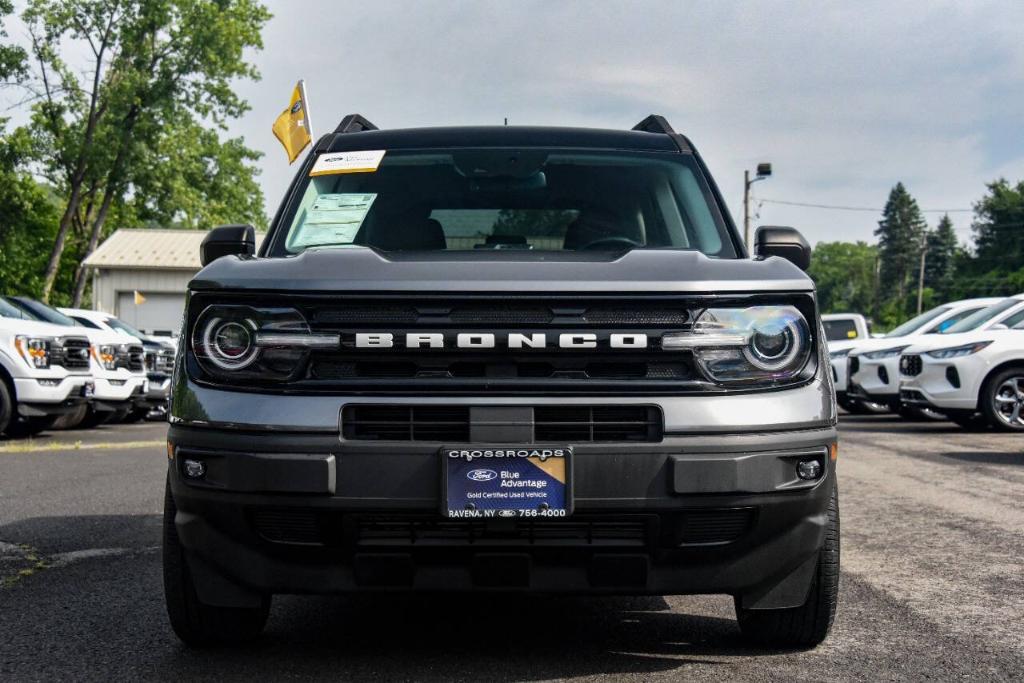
<point>362,269</point>
<point>946,341</point>
<point>37,328</point>
<point>842,344</point>
<point>879,343</point>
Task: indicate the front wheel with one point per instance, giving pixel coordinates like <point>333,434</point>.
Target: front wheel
<point>21,428</point>
<point>1002,400</point>
<point>807,625</point>
<point>195,623</point>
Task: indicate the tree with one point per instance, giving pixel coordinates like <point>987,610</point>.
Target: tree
<point>900,235</point>
<point>155,68</point>
<point>844,274</point>
<point>940,261</point>
<point>999,227</point>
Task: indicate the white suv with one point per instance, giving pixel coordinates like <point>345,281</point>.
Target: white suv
<point>873,366</point>
<point>118,365</point>
<point>44,372</point>
<point>974,377</point>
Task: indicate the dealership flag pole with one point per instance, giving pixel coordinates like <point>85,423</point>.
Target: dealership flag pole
<point>305,108</point>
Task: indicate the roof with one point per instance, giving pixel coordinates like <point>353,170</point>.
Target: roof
<point>501,136</point>
<point>151,248</point>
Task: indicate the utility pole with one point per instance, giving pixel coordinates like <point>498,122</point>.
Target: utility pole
<point>763,171</point>
<point>920,274</point>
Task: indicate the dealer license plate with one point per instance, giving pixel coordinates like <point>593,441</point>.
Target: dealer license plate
<point>507,481</point>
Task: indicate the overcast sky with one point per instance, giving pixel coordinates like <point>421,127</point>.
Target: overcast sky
<point>844,99</point>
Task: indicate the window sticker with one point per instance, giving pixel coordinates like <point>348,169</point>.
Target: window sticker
<point>332,219</point>
<point>333,163</point>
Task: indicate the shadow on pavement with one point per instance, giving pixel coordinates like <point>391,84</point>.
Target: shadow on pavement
<point>988,457</point>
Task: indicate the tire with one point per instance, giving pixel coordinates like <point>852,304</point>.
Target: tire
<point>971,421</point>
<point>25,427</point>
<point>6,405</point>
<point>94,418</point>
<point>136,415</point>
<point>852,406</point>
<point>72,419</point>
<point>916,414</point>
<point>197,624</point>
<point>808,625</point>
<point>1002,400</point>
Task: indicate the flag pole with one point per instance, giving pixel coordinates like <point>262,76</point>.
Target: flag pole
<point>305,110</point>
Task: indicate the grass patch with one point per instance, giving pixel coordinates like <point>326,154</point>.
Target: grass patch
<point>31,446</point>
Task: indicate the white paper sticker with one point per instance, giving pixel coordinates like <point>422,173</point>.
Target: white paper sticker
<point>365,161</point>
<point>332,219</point>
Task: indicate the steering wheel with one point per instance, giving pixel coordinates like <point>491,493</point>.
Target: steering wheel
<point>610,244</point>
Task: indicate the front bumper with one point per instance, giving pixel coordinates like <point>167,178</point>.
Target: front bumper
<point>309,513</point>
<point>119,391</point>
<point>54,395</point>
<point>876,380</point>
<point>935,385</point>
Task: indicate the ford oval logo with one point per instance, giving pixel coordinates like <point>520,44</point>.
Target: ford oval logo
<point>481,475</point>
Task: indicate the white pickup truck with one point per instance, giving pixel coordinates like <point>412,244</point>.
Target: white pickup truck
<point>843,331</point>
<point>44,372</point>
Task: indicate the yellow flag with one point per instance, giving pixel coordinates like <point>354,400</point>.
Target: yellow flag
<point>292,126</point>
<point>139,299</point>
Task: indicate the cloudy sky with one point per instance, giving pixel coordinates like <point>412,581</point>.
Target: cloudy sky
<point>845,99</point>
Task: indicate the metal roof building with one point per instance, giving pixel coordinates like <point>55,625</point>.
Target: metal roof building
<point>156,265</point>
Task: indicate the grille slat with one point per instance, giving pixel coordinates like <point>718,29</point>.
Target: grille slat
<point>910,365</point>
<point>562,424</point>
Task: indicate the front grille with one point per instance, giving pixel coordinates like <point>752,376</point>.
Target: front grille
<point>136,358</point>
<point>71,353</point>
<point>912,396</point>
<point>910,365</point>
<point>553,424</point>
<point>296,526</point>
<point>405,423</point>
<point>160,362</point>
<point>600,367</point>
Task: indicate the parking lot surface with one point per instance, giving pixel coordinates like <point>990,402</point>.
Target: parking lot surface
<point>932,583</point>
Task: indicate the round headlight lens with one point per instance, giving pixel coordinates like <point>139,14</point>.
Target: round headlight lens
<point>774,344</point>
<point>229,344</point>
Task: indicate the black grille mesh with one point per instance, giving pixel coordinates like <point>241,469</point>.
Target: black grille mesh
<point>910,365</point>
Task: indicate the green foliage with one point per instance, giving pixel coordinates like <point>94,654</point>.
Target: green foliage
<point>999,227</point>
<point>900,238</point>
<point>845,275</point>
<point>133,96</point>
<point>941,259</point>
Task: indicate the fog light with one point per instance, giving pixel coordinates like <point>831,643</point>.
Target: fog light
<point>808,469</point>
<point>195,469</point>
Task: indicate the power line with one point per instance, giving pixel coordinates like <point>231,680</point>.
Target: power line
<point>834,207</point>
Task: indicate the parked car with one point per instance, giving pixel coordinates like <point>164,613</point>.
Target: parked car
<point>873,365</point>
<point>159,359</point>
<point>971,377</point>
<point>44,372</point>
<point>843,331</point>
<point>613,398</point>
<point>117,365</point>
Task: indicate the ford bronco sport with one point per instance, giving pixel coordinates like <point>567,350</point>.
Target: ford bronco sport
<point>502,359</point>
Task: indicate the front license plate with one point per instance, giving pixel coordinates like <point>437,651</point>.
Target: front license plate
<point>507,481</point>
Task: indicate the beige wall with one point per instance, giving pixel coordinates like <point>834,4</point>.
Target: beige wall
<point>108,282</point>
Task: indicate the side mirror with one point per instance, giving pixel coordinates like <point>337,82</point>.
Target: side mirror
<point>225,240</point>
<point>775,240</point>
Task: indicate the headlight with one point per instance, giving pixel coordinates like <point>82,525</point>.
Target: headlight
<point>957,351</point>
<point>841,353</point>
<point>261,343</point>
<point>34,350</point>
<point>755,344</point>
<point>108,355</point>
<point>885,353</point>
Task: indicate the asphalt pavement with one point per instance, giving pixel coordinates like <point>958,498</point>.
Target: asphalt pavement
<point>932,584</point>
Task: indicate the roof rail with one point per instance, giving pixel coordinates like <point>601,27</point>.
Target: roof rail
<point>354,123</point>
<point>655,123</point>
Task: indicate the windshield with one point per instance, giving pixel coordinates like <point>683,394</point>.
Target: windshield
<point>973,322</point>
<point>838,330</point>
<point>41,311</point>
<point>8,310</point>
<point>490,199</point>
<point>918,322</point>
<point>124,327</point>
